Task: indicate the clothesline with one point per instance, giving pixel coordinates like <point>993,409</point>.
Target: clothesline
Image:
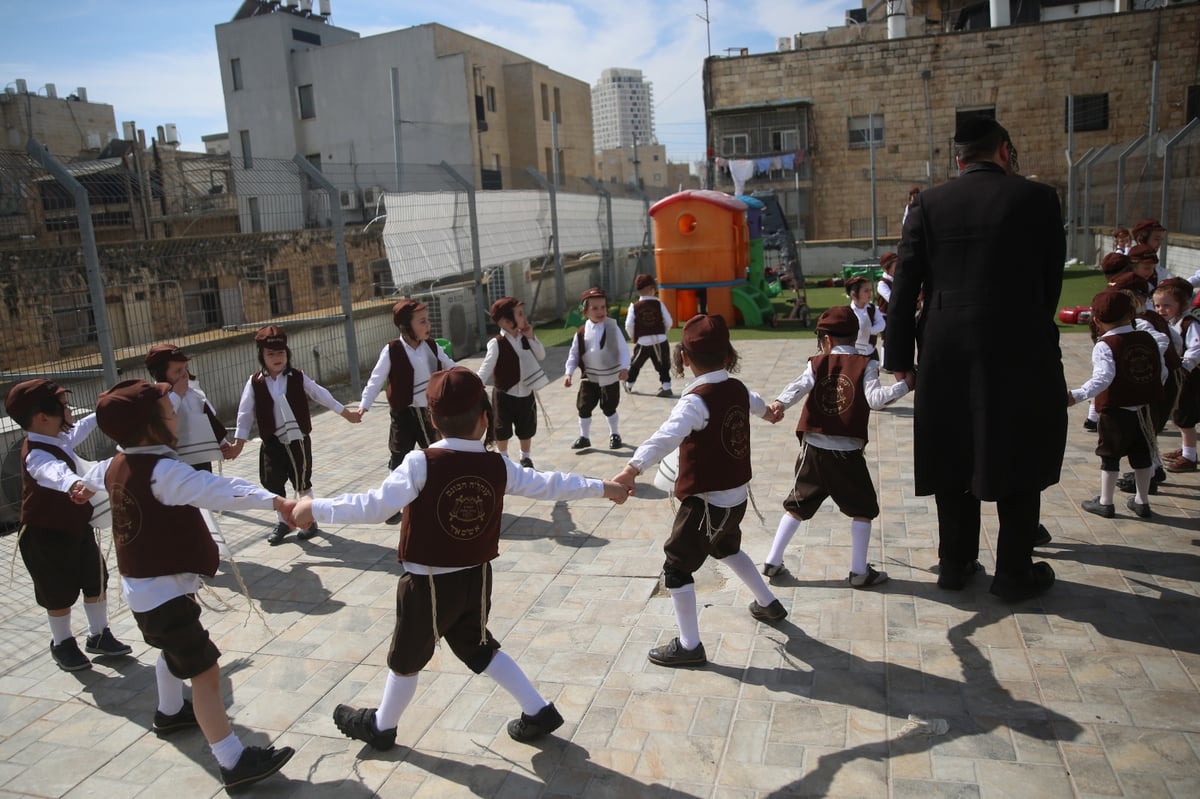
<point>742,169</point>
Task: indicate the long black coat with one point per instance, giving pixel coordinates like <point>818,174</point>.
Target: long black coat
<point>987,251</point>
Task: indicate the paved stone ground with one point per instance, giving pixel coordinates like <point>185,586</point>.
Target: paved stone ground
<point>1090,691</point>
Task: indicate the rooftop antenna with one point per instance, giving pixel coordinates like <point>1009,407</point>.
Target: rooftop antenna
<point>707,27</point>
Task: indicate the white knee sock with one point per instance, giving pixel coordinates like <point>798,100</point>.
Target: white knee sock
<point>397,694</point>
<point>1108,484</point>
<point>508,675</point>
<point>1093,414</point>
<point>97,616</point>
<point>227,751</point>
<point>860,537</point>
<point>170,688</point>
<point>612,425</point>
<point>788,525</point>
<point>740,564</point>
<point>686,617</point>
<point>1189,453</point>
<point>60,628</point>
<point>1141,480</point>
<point>585,427</point>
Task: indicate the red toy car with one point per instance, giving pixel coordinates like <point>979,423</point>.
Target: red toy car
<point>1079,315</point>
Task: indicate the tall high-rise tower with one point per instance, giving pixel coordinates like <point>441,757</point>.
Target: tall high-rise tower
<point>622,109</point>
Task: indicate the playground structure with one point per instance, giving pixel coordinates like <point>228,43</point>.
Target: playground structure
<point>704,252</point>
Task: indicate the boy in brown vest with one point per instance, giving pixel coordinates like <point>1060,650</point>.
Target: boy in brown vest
<point>512,365</point>
<point>454,494</point>
<point>599,351</point>
<point>842,386</point>
<point>647,322</point>
<point>871,321</point>
<point>276,398</point>
<point>202,437</point>
<point>163,547</point>
<point>1126,379</point>
<point>710,425</point>
<point>1187,412</point>
<point>56,539</point>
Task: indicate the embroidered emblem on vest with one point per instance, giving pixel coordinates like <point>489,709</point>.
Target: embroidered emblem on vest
<point>464,506</point>
<point>834,395</point>
<point>735,432</point>
<point>127,515</point>
<point>1139,364</point>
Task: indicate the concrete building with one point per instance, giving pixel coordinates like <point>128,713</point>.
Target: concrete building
<point>812,109</point>
<point>618,166</point>
<point>66,126</point>
<point>622,109</point>
<point>385,110</point>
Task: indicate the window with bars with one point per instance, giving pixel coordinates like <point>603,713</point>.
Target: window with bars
<point>860,133</point>
<point>1091,112</point>
<point>279,292</point>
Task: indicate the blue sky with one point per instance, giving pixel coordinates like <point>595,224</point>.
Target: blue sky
<point>155,62</point>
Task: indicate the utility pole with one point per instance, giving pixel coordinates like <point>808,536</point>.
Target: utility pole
<point>707,27</point>
<point>636,180</point>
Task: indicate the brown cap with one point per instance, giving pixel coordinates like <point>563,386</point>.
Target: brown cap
<point>1129,281</point>
<point>271,338</point>
<point>504,308</point>
<point>840,321</point>
<point>1145,227</point>
<point>402,312</point>
<point>123,411</point>
<point>454,391</point>
<point>593,293</point>
<point>854,283</point>
<point>1143,252</point>
<point>24,397</point>
<point>1177,284</point>
<point>887,259</point>
<point>1111,306</point>
<point>644,281</point>
<point>162,354</point>
<point>1115,263</point>
<point>706,334</point>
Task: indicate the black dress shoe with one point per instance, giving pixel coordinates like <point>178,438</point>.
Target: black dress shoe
<point>1017,586</point>
<point>954,575</point>
<point>1042,537</point>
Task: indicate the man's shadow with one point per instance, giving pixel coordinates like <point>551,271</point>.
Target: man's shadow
<point>279,590</point>
<point>561,528</point>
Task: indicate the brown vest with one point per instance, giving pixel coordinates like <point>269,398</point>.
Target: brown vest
<point>1138,378</point>
<point>153,539</point>
<point>648,318</point>
<point>457,514</point>
<point>881,302</point>
<point>1172,358</point>
<point>219,431</point>
<point>264,404</point>
<point>400,377</point>
<point>837,404</point>
<point>45,507</point>
<point>508,363</point>
<point>717,458</point>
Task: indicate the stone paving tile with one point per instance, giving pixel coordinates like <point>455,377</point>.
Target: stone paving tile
<point>1090,691</point>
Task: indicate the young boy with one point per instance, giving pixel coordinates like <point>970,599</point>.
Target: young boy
<point>1121,240</point>
<point>1144,263</point>
<point>871,322</point>
<point>1127,374</point>
<point>883,289</point>
<point>843,388</point>
<point>1187,411</point>
<point>454,494</point>
<point>276,397</point>
<point>598,349</point>
<point>710,425</point>
<point>56,541</point>
<point>647,323</point>
<point>163,547</point>
<point>513,366</point>
<point>202,437</point>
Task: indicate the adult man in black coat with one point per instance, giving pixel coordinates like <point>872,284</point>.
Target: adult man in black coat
<point>986,251</point>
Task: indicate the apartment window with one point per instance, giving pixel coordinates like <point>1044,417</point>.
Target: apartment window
<point>201,304</point>
<point>860,134</point>
<point>315,160</point>
<point>735,144</point>
<point>255,219</point>
<point>1193,103</point>
<point>1091,112</point>
<point>279,292</point>
<point>306,37</point>
<point>490,94</point>
<point>382,283</point>
<point>235,70</point>
<point>327,275</point>
<point>74,320</point>
<point>545,103</point>
<point>247,155</point>
<point>308,108</point>
<point>557,105</point>
<point>785,141</point>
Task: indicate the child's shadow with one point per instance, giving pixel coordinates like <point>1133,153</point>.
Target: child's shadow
<point>280,590</point>
<point>561,529</point>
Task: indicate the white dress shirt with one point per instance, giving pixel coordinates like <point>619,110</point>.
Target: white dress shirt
<point>533,377</point>
<point>422,366</point>
<point>286,427</point>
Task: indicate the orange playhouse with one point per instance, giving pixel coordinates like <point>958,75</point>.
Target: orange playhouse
<point>701,243</point>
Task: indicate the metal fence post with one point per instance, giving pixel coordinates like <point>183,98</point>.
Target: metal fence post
<point>1121,177</point>
<point>1073,202</point>
<point>610,255</point>
<point>1087,190</point>
<point>560,286</point>
<point>339,242</point>
<point>91,258</point>
<point>476,258</point>
<point>1166,186</point>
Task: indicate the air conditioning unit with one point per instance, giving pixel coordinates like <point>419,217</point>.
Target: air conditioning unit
<point>348,199</point>
<point>783,44</point>
<point>372,195</point>
<point>452,316</point>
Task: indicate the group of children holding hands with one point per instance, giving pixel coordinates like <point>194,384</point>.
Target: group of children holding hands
<point>446,486</point>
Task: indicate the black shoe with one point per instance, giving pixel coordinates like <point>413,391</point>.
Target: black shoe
<point>583,442</point>
<point>1024,585</point>
<point>394,518</point>
<point>673,654</point>
<point>1090,426</point>
<point>1159,476</point>
<point>666,392</point>
<point>359,724</point>
<point>1127,485</point>
<point>774,570</point>
<point>772,612</point>
<point>614,441</point>
<point>183,720</point>
<point>281,531</point>
<point>526,463</point>
<point>868,578</point>
<point>256,763</point>
<point>1043,536</point>
<point>628,386</point>
<point>304,535</point>
<point>539,725</point>
<point>1140,509</point>
<point>68,657</point>
<point>1099,508</point>
<point>954,576</point>
<point>106,644</point>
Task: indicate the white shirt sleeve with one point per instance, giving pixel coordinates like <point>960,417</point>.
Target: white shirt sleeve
<point>689,414</point>
<point>320,394</point>
<point>573,356</point>
<point>489,361</point>
<point>533,484</point>
<point>536,347</point>
<point>668,322</point>
<point>1191,349</point>
<point>383,367</point>
<point>81,430</point>
<point>629,319</point>
<point>622,348</point>
<point>49,472</point>
<point>444,360</point>
<point>175,483</point>
<point>1104,369</point>
<point>245,413</point>
<point>794,391</point>
<point>879,395</point>
<point>398,489</point>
